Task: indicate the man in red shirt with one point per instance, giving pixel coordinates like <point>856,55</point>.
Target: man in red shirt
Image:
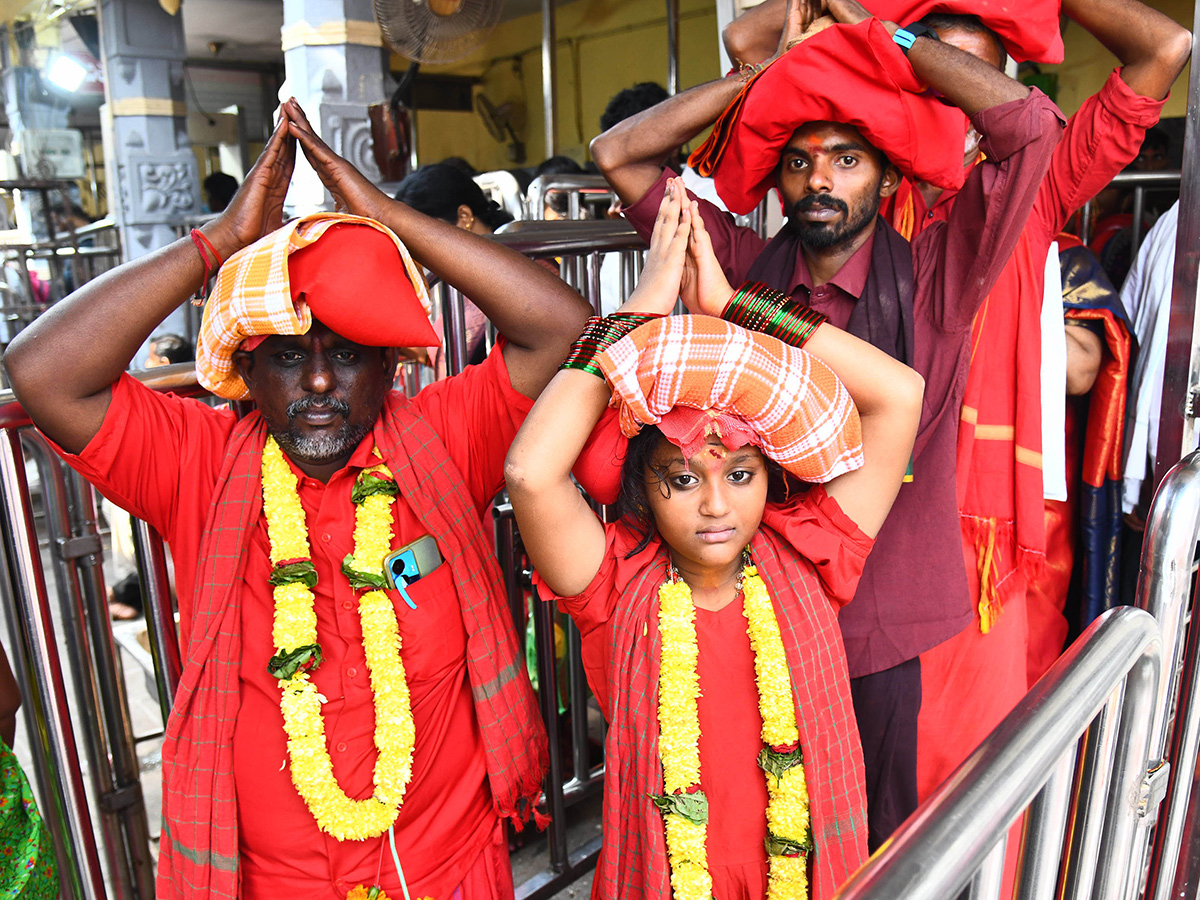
<point>913,593</point>
<point>969,683</point>
<point>245,812</point>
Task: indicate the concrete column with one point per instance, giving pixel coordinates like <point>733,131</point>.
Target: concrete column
<point>152,173</point>
<point>336,65</point>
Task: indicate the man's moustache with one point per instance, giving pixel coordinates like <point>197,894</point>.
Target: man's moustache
<point>307,404</point>
<point>807,204</point>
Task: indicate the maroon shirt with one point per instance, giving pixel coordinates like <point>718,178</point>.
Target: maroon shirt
<point>913,594</point>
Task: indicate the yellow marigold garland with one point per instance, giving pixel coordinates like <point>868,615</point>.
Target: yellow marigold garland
<point>684,807</point>
<point>295,629</point>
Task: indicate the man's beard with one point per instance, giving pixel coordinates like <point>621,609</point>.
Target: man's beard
<point>324,447</point>
<point>823,235</point>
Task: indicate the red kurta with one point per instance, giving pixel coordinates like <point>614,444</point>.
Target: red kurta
<point>970,682</point>
<point>159,457</point>
<point>834,549</point>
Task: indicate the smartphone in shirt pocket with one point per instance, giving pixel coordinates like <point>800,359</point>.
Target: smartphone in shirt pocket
<point>411,563</point>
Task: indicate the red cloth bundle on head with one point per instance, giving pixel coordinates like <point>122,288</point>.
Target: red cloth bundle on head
<point>851,74</point>
<point>744,387</point>
<point>1027,28</point>
<point>350,273</point>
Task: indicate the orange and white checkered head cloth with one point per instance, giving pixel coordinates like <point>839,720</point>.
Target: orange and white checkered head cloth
<point>254,297</point>
<point>795,406</point>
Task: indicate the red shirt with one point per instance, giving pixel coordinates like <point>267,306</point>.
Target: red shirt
<point>730,724</point>
<point>159,456</point>
<point>913,593</point>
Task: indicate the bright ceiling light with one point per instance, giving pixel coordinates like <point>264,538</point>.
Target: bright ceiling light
<point>66,73</point>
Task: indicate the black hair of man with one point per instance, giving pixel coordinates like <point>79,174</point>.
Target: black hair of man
<point>219,188</point>
<point>439,190</point>
<point>461,164</point>
<point>632,101</point>
<point>968,23</point>
<point>172,348</point>
<point>558,165</point>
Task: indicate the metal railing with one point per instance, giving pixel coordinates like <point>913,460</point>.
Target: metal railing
<point>574,186</point>
<point>76,712</point>
<point>1090,800</point>
<point>1140,182</point>
<point>1096,802</point>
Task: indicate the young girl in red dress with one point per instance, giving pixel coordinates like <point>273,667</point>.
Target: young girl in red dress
<point>709,610</point>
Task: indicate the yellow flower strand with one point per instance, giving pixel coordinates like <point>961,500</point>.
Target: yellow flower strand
<point>295,625</point>
<point>679,739</point>
<point>787,795</point>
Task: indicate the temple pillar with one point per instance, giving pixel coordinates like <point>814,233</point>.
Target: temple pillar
<point>336,66</point>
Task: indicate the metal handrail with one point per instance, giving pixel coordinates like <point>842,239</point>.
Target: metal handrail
<point>572,185</point>
<point>1164,588</point>
<point>1106,684</point>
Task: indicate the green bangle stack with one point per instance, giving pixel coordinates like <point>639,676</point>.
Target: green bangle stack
<point>598,335</point>
<point>760,308</point>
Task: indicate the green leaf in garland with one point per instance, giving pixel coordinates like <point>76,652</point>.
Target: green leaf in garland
<point>778,763</point>
<point>363,581</point>
<point>286,664</point>
<point>777,846</point>
<point>367,484</point>
<point>693,807</point>
<point>303,571</point>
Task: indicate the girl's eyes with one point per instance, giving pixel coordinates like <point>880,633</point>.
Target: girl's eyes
<point>684,480</point>
<point>740,476</point>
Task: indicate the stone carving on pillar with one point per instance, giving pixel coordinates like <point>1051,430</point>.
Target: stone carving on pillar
<point>164,190</point>
<point>347,130</point>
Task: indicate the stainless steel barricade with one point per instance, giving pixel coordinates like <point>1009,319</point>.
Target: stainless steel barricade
<point>1090,800</point>
<point>1140,182</point>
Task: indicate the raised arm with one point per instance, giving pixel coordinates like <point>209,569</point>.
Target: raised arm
<point>965,80</point>
<point>63,366</point>
<point>564,538</point>
<point>632,153</point>
<point>537,312</point>
<point>1152,47</point>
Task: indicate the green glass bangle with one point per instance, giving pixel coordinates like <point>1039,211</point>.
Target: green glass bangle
<point>598,335</point>
<point>760,308</point>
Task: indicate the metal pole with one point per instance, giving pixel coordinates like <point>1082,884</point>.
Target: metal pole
<point>1139,203</point>
<point>456,331</point>
<point>1176,433</point>
<point>64,796</point>
<point>672,47</point>
<point>1045,831</point>
<point>160,614</point>
<point>549,73</point>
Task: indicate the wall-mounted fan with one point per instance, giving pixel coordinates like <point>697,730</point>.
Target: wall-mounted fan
<point>436,31</point>
<point>498,122</point>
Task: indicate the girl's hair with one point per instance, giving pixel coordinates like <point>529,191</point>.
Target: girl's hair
<point>439,190</point>
<point>637,470</point>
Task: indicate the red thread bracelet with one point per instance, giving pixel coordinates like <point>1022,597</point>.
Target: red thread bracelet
<point>202,243</point>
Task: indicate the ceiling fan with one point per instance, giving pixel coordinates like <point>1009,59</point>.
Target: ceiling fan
<point>436,31</point>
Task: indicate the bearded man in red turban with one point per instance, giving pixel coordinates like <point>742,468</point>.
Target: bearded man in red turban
<point>334,725</point>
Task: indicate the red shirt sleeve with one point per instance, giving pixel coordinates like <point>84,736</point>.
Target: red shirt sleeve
<point>476,414</point>
<point>735,247</point>
<point>154,453</point>
<point>1102,138</point>
<point>817,528</point>
<point>990,211</point>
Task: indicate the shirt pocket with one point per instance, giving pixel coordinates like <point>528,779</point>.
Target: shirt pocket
<point>433,639</point>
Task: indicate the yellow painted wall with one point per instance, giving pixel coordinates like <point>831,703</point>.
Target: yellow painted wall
<point>603,47</point>
<point>1087,64</point>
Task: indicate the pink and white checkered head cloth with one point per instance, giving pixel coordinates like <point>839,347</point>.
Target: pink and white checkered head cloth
<point>253,297</point>
<point>793,404</point>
